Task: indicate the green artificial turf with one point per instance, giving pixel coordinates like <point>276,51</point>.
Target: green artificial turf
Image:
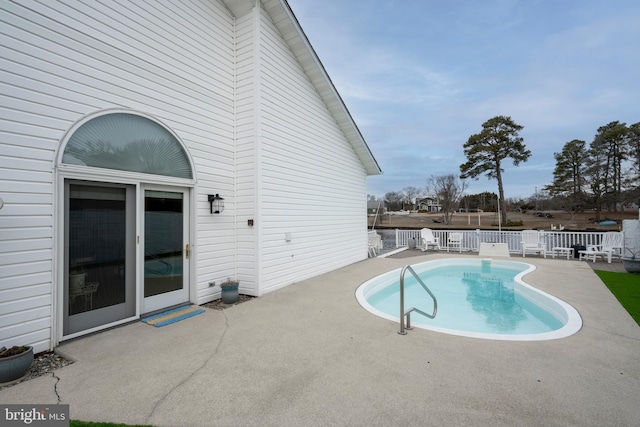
<point>626,288</point>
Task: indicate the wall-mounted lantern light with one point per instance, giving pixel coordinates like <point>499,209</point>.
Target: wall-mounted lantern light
<point>216,202</point>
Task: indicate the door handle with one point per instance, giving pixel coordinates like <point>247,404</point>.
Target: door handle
<point>187,250</point>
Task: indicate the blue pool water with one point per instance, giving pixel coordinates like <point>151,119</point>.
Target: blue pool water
<point>163,267</point>
<point>484,300</point>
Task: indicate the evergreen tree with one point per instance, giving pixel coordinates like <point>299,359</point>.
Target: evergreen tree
<point>487,150</point>
<point>611,141</point>
<point>633,145</point>
<point>568,175</point>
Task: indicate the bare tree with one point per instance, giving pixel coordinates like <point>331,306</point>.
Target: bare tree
<point>394,200</point>
<point>449,190</point>
<point>411,194</point>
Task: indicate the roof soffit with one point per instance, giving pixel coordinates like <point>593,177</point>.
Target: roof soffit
<point>239,7</point>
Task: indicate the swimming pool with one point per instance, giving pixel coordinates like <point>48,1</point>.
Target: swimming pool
<point>476,298</point>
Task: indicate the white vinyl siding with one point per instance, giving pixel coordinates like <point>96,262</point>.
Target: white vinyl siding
<point>244,94</point>
<point>64,60</point>
<point>313,184</point>
<point>246,153</point>
<point>26,231</point>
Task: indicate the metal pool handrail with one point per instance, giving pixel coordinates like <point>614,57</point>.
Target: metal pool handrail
<point>407,313</point>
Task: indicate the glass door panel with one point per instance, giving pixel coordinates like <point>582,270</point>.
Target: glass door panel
<point>99,255</point>
<point>165,242</point>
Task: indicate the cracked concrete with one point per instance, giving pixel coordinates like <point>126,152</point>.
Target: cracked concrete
<point>308,354</point>
<point>55,386</point>
<point>187,378</point>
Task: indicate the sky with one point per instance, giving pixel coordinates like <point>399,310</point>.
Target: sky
<point>420,77</point>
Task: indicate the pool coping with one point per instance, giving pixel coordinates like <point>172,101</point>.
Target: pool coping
<point>561,310</point>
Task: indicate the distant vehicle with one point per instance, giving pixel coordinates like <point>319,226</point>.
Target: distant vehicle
<point>463,210</point>
<point>543,215</point>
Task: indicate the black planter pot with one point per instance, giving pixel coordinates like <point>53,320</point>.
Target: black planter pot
<point>16,366</point>
<point>631,265</point>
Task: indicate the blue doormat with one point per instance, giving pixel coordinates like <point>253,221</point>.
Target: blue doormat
<point>173,315</point>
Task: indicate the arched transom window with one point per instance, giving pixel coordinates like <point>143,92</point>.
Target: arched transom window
<point>127,142</point>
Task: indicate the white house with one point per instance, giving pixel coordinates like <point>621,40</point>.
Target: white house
<point>121,120</point>
<point>429,204</point>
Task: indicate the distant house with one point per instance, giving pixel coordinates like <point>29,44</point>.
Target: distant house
<point>125,125</point>
<point>429,204</point>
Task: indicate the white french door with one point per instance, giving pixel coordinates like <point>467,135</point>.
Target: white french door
<point>99,270</point>
<point>164,246</point>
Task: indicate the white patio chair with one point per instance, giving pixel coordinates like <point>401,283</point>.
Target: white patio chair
<point>428,240</point>
<point>454,241</point>
<point>611,244</point>
<point>375,244</point>
<point>590,254</point>
<point>533,242</point>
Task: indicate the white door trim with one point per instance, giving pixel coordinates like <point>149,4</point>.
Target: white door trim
<point>172,298</point>
<point>57,315</point>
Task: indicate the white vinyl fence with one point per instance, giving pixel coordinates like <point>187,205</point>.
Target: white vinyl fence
<point>471,239</point>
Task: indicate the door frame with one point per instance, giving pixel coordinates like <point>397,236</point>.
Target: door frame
<point>80,172</point>
<point>108,176</point>
<point>146,305</point>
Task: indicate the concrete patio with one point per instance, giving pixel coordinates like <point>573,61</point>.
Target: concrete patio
<point>310,355</point>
